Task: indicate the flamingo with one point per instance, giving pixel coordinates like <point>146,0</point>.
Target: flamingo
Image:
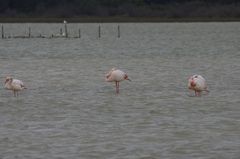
<point>14,84</point>
<point>116,75</point>
<point>198,84</point>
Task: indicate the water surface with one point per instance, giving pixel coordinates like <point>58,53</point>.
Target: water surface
<point>69,111</point>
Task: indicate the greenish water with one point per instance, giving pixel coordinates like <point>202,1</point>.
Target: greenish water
<point>69,111</point>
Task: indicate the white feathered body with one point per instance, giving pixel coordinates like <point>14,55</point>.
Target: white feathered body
<point>15,85</point>
<point>197,83</point>
<point>115,75</point>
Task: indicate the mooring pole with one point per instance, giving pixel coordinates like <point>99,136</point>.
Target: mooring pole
<point>29,32</point>
<point>66,31</point>
<point>79,33</point>
<point>118,31</point>
<point>99,31</point>
<point>61,32</point>
<point>2,32</point>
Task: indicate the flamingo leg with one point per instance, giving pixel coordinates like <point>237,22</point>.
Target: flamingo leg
<point>14,93</point>
<point>118,86</point>
<point>198,93</point>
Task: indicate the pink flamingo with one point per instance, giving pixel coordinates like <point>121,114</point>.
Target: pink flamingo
<point>14,84</point>
<point>115,75</point>
<point>198,84</point>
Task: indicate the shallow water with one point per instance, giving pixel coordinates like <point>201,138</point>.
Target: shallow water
<point>69,111</point>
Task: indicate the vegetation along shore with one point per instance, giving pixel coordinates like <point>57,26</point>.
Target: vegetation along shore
<point>119,10</point>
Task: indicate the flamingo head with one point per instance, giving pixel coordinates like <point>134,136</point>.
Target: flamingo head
<point>126,77</point>
<point>192,81</point>
<point>8,79</point>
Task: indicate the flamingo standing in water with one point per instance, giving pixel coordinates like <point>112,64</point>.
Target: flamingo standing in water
<point>198,84</point>
<point>116,75</point>
<point>14,84</point>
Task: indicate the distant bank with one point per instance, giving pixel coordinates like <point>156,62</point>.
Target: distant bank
<point>114,19</point>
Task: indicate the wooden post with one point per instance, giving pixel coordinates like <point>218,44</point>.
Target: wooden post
<point>2,32</point>
<point>118,31</point>
<point>99,31</point>
<point>29,32</point>
<point>79,33</point>
<point>61,32</point>
<point>66,31</point>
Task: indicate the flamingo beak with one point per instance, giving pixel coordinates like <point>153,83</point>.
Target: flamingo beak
<point>193,84</point>
<point>128,79</point>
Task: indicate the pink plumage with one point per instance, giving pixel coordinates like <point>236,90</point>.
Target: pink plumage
<point>198,84</point>
<point>14,84</point>
<point>116,75</point>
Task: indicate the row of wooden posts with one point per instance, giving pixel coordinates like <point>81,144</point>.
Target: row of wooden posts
<point>62,34</point>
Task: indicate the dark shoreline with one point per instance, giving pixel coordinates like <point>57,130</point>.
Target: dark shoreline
<point>114,19</point>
